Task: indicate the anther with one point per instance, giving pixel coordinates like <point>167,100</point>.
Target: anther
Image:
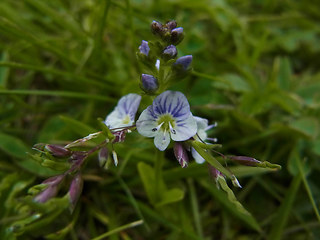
<point>157,128</point>
<point>171,129</point>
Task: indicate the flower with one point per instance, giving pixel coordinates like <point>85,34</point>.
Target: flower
<point>124,113</point>
<point>184,62</point>
<point>149,83</point>
<point>168,117</point>
<point>170,52</point>
<point>201,136</point>
<point>144,48</point>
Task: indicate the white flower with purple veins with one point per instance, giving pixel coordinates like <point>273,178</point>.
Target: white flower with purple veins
<point>201,136</point>
<point>168,117</point>
<point>124,113</point>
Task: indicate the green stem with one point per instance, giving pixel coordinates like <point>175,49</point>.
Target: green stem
<point>210,159</point>
<point>158,174</point>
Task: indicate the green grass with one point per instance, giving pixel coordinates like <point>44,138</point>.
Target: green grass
<point>64,64</point>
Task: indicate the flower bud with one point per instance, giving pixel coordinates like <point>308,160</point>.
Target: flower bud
<point>169,52</point>
<point>52,189</point>
<point>144,48</point>
<point>119,136</point>
<point>177,35</point>
<point>215,173</point>
<point>171,25</point>
<point>156,28</point>
<point>181,154</point>
<point>244,160</point>
<point>235,182</point>
<point>149,83</point>
<point>58,151</point>
<point>75,190</point>
<point>115,158</point>
<point>103,156</point>
<point>184,62</point>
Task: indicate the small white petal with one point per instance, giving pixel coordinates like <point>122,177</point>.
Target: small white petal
<point>184,129</point>
<point>197,156</point>
<point>162,140</point>
<point>157,64</point>
<point>146,123</point>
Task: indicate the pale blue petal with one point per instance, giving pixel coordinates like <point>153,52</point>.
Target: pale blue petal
<point>162,140</point>
<point>184,129</point>
<point>197,156</point>
<point>128,105</point>
<point>146,122</point>
<point>174,103</point>
<point>202,125</point>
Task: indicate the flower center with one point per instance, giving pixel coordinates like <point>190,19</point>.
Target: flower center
<point>166,123</point>
<point>126,120</point>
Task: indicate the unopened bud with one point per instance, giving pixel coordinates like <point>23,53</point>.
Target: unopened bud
<point>235,182</point>
<point>52,189</point>
<point>181,154</point>
<point>144,48</point>
<point>184,62</point>
<point>156,28</point>
<point>171,25</point>
<point>169,52</point>
<point>244,160</point>
<point>103,156</point>
<point>58,151</point>
<point>215,173</point>
<point>149,83</point>
<point>75,190</point>
<point>115,158</point>
<point>177,35</point>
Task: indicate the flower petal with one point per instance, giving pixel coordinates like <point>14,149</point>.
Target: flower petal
<point>127,107</point>
<point>129,104</point>
<point>146,122</point>
<point>184,129</point>
<point>202,125</point>
<point>197,156</point>
<point>162,140</point>
<point>174,103</point>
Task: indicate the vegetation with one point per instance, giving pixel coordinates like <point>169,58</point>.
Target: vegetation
<point>255,71</point>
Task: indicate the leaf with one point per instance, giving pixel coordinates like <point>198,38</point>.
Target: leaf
<point>17,149</point>
<point>229,201</point>
<point>171,196</point>
<point>307,126</point>
<point>285,209</point>
<point>78,127</point>
<point>232,82</point>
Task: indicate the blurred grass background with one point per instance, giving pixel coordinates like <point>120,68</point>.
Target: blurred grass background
<point>256,66</point>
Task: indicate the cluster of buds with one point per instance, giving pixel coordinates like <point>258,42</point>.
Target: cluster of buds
<point>160,58</point>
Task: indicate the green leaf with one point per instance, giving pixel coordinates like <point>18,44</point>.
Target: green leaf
<point>232,82</point>
<point>78,127</point>
<point>17,149</point>
<point>307,126</point>
<point>285,209</point>
<point>229,201</point>
<point>171,196</point>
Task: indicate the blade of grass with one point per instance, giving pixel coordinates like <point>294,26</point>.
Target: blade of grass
<point>57,94</point>
<point>119,229</point>
<point>281,218</point>
<point>307,187</point>
<point>195,208</point>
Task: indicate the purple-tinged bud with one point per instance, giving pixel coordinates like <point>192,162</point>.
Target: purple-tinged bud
<point>170,52</point>
<point>52,189</point>
<point>244,160</point>
<point>144,48</point>
<point>184,62</point>
<point>171,25</point>
<point>103,156</point>
<point>75,190</point>
<point>149,83</point>
<point>177,35</point>
<point>181,154</point>
<point>215,173</point>
<point>156,28</point>
<point>58,151</point>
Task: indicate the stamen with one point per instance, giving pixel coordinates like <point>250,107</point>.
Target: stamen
<point>157,128</point>
<point>171,129</point>
<point>213,139</point>
<point>211,126</point>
